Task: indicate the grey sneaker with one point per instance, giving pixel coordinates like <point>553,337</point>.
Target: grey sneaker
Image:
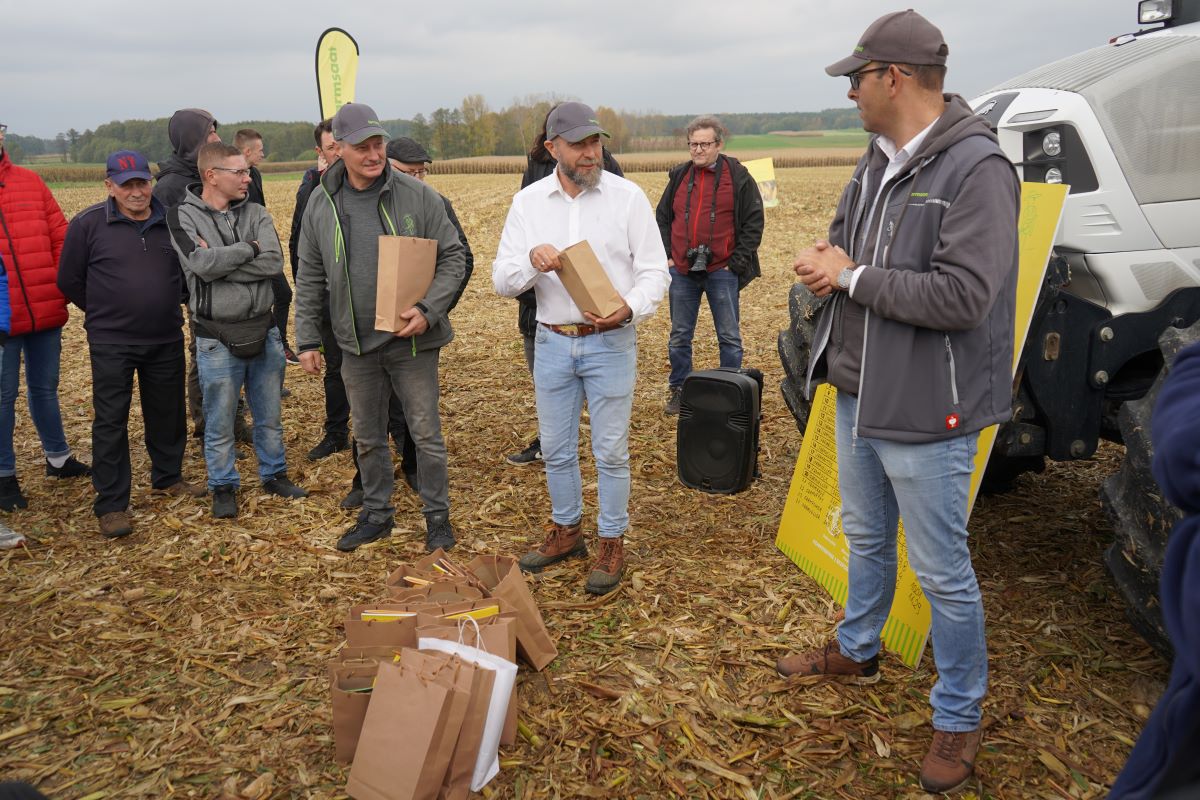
<point>438,533</point>
<point>530,455</point>
<point>672,407</point>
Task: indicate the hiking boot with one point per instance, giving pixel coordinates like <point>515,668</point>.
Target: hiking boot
<point>282,486</point>
<point>363,532</point>
<point>71,468</point>
<point>332,443</point>
<point>829,661</point>
<point>224,505</point>
<point>562,542</point>
<point>438,533</point>
<point>290,357</point>
<point>115,524</point>
<point>608,568</point>
<point>950,761</point>
<point>182,488</point>
<point>10,494</point>
<point>530,455</point>
<point>672,407</point>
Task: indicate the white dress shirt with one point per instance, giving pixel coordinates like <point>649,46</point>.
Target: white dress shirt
<point>616,220</point>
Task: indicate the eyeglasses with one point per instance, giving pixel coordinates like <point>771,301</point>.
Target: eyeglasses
<point>241,173</point>
<point>856,77</point>
<point>701,146</point>
<point>416,173</point>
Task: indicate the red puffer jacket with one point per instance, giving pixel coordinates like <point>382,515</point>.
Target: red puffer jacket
<point>32,229</point>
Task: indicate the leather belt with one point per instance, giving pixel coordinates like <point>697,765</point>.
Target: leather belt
<point>577,329</point>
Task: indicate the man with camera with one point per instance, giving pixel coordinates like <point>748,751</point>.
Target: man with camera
<point>711,220</point>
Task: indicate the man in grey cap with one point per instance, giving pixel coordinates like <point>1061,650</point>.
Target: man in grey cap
<point>360,199</point>
<point>920,268</point>
<point>580,356</point>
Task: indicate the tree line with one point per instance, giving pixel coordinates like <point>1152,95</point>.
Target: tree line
<point>470,129</point>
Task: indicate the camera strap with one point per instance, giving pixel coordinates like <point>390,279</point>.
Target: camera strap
<point>712,213</point>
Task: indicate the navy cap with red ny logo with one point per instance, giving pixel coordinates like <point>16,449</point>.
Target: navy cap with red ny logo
<point>126,165</point>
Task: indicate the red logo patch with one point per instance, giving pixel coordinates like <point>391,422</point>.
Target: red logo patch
<point>951,422</point>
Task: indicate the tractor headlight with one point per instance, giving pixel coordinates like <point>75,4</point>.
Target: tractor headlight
<point>1052,143</point>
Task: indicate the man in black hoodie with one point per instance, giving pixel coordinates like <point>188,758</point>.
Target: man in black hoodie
<point>189,130</point>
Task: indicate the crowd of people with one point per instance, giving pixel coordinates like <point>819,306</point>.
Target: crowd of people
<point>919,270</point>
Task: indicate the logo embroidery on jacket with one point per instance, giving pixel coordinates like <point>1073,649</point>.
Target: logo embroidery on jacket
<point>951,421</point>
<point>409,224</point>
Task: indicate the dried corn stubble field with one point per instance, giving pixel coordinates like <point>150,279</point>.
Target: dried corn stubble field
<point>187,660</point>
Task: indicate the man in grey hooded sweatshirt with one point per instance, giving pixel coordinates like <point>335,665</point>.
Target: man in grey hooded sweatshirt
<point>917,335</point>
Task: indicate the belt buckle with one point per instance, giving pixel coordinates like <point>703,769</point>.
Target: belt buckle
<point>570,329</point>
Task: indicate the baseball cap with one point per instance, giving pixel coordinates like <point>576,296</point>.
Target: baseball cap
<point>355,122</point>
<point>125,165</point>
<point>406,151</point>
<point>573,122</point>
<point>902,37</point>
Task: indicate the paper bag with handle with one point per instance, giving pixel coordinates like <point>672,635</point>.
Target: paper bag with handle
<point>585,280</point>
<point>351,691</point>
<point>405,273</point>
<point>503,579</point>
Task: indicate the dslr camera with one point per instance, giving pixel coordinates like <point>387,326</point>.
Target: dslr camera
<point>698,258</point>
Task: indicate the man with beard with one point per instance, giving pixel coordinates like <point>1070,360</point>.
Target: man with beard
<point>580,356</point>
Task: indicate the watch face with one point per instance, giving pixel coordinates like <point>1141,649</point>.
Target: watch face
<point>843,279</point>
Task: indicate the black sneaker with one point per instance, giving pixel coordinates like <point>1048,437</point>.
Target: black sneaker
<point>331,444</point>
<point>282,486</point>
<point>10,494</point>
<point>438,532</point>
<point>530,455</point>
<point>363,532</point>
<point>290,357</point>
<point>674,401</point>
<point>71,468</point>
<point>225,502</point>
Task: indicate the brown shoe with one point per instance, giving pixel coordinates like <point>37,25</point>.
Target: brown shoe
<point>184,489</point>
<point>610,564</point>
<point>950,761</point>
<point>562,542</point>
<point>115,524</point>
<point>829,661</point>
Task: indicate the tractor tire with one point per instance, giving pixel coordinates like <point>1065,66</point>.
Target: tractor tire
<point>1141,518</point>
<point>795,349</point>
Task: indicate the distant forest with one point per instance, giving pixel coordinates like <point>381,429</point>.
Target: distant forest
<point>471,129</point>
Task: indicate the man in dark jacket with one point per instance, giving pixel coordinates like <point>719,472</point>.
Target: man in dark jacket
<point>119,267</point>
<point>917,338</point>
<point>711,229</point>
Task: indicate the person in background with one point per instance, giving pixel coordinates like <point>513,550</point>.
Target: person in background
<point>32,228</point>
<point>538,164</point>
<point>119,268</point>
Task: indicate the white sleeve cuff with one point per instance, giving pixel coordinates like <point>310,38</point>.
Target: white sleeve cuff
<point>854,279</point>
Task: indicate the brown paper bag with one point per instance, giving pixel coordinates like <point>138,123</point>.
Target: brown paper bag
<point>442,591</point>
<point>584,278</point>
<point>404,275</point>
<point>403,729</point>
<point>360,656</point>
<point>405,577</point>
<point>457,784</point>
<point>459,676</point>
<point>350,706</point>
<point>503,578</point>
<point>369,633</point>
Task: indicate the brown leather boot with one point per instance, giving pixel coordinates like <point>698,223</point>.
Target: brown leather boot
<point>829,661</point>
<point>115,524</point>
<point>610,564</point>
<point>950,761</point>
<point>562,542</point>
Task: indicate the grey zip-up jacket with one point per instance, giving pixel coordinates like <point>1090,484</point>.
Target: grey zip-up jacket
<point>926,341</point>
<point>407,207</point>
<point>230,280</point>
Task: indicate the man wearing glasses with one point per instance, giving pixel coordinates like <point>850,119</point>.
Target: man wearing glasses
<point>711,220</point>
<point>230,252</point>
<point>920,269</point>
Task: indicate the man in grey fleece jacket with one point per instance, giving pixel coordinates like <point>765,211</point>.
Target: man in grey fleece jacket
<point>359,199</point>
<point>230,251</point>
<point>921,266</point>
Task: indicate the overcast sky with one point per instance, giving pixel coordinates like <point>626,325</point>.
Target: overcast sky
<point>92,62</point>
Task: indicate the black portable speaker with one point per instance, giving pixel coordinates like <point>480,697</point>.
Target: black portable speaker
<point>716,444</point>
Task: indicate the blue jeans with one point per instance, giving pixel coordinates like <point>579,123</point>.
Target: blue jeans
<point>222,375</point>
<point>41,350</point>
<point>926,484</point>
<point>721,287</point>
<point>600,368</point>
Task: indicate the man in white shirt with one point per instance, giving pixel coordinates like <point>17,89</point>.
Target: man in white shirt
<point>579,355</point>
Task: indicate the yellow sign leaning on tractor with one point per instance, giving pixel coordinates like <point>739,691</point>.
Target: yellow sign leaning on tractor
<point>810,533</point>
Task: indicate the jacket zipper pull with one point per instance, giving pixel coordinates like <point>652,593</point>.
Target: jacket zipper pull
<point>143,244</point>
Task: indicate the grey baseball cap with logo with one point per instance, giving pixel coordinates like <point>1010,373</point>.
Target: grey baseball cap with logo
<point>355,122</point>
<point>573,122</point>
<point>902,37</point>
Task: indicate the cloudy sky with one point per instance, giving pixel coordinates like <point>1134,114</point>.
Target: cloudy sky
<point>93,62</point>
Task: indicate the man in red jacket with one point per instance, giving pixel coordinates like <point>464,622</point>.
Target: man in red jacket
<point>32,228</point>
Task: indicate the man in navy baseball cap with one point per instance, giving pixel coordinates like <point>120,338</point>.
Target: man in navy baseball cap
<point>125,165</point>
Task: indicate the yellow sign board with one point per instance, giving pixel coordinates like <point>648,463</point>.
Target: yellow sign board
<point>810,532</point>
<point>763,172</point>
<point>337,70</point>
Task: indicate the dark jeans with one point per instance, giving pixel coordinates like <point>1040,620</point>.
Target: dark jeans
<point>337,407</point>
<point>195,398</point>
<point>160,371</point>
<point>721,288</point>
<point>283,303</point>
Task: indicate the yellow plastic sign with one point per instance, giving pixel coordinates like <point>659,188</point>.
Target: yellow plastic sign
<point>337,70</point>
<point>810,532</point>
<point>763,172</point>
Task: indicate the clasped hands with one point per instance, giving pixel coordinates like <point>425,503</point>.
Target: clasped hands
<point>818,267</point>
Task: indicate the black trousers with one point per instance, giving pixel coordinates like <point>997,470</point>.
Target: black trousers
<point>337,406</point>
<point>283,303</point>
<point>160,374</point>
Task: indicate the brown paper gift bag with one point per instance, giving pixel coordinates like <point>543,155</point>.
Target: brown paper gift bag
<point>370,633</point>
<point>442,591</point>
<point>404,728</point>
<point>587,283</point>
<point>503,578</point>
<point>459,676</point>
<point>457,784</point>
<point>360,656</point>
<point>405,272</point>
<point>405,577</point>
<point>350,706</point>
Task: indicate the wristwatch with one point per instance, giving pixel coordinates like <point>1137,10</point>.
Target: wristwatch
<point>625,322</point>
<point>843,278</point>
